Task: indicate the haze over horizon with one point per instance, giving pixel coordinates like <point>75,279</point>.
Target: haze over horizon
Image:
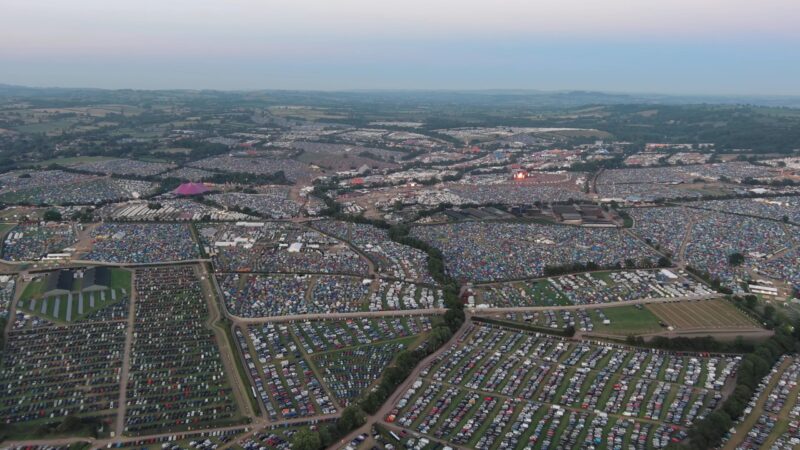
<point>734,47</point>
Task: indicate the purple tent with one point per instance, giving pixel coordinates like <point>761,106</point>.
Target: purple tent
<point>188,189</point>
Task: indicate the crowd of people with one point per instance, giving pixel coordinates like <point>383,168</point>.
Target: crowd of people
<point>534,187</point>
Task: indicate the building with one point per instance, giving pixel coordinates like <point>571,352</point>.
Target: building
<point>64,281</point>
<point>190,189</point>
<point>59,282</point>
<point>96,279</point>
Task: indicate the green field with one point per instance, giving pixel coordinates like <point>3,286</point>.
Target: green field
<point>544,294</point>
<point>626,320</point>
<point>47,127</point>
<point>174,150</point>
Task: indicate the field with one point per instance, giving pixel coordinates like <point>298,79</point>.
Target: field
<point>51,372</point>
<point>336,360</point>
<point>177,378</point>
<point>499,388</point>
<point>73,160</point>
<point>94,111</point>
<point>628,320</point>
<point>702,316</point>
<point>304,112</point>
<point>620,321</point>
<point>75,305</point>
<point>173,150</point>
<point>590,288</point>
<point>773,420</point>
<point>50,127</point>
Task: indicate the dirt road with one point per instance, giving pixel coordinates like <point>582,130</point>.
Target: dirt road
<point>126,360</point>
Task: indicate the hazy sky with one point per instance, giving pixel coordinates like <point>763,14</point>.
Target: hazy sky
<point>667,46</point>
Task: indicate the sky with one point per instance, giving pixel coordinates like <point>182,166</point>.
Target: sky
<point>714,47</point>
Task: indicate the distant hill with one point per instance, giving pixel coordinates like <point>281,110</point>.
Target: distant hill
<point>497,97</point>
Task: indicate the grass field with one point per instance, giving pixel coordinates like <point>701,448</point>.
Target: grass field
<point>304,112</point>
<point>626,320</point>
<point>174,150</point>
<point>716,314</point>
<point>47,127</point>
<point>546,295</point>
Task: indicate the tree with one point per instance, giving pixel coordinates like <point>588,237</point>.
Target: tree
<point>352,416</point>
<point>769,311</point>
<point>51,215</point>
<point>306,440</point>
<point>735,259</point>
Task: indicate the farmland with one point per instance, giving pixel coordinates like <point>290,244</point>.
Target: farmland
<point>703,316</point>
